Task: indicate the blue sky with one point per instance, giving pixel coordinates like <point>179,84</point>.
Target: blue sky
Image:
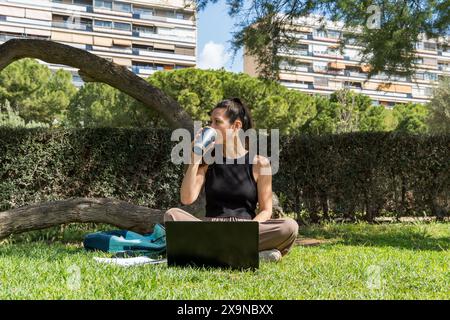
<point>214,31</point>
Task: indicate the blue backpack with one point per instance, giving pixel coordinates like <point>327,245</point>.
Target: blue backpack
<point>119,241</point>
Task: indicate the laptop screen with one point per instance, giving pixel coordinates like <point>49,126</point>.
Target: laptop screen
<point>213,244</point>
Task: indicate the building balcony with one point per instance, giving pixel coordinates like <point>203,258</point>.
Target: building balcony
<point>72,7</point>
<point>4,37</point>
<point>170,37</point>
<point>327,54</point>
<point>355,74</point>
<point>144,16</point>
<point>335,72</point>
<point>322,70</point>
<point>143,70</point>
<point>297,85</point>
<point>152,17</point>
<point>444,68</point>
<point>74,26</point>
<point>293,68</point>
<point>54,4</point>
<point>296,52</point>
<point>165,55</point>
<point>324,38</point>
<point>112,49</point>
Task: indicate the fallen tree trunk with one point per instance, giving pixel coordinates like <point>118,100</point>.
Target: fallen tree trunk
<point>118,213</point>
<point>121,214</point>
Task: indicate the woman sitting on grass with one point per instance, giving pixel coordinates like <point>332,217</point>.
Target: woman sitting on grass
<point>233,190</point>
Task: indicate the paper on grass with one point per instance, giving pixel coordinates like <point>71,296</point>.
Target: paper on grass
<point>128,262</point>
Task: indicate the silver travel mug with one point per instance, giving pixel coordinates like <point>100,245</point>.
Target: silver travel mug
<point>206,137</point>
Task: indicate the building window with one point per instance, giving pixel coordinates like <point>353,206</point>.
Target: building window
<point>103,4</point>
<point>103,24</point>
<point>352,85</point>
<point>443,66</point>
<point>81,2</point>
<point>318,49</point>
<point>320,33</point>
<point>388,104</point>
<point>320,66</point>
<point>427,76</point>
<point>429,61</point>
<point>301,49</point>
<point>143,11</point>
<point>430,76</point>
<point>398,78</point>
<point>169,14</point>
<point>333,34</point>
<point>122,6</point>
<point>352,54</point>
<point>143,47</point>
<point>144,29</point>
<point>321,81</point>
<point>430,46</point>
<point>122,26</point>
<point>351,41</point>
<point>301,35</point>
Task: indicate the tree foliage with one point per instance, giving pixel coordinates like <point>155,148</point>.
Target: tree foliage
<point>411,118</point>
<point>264,28</point>
<point>52,96</point>
<point>10,118</point>
<point>439,108</point>
<point>34,92</point>
<point>100,105</point>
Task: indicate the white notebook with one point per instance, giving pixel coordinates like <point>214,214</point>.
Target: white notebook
<point>129,262</point>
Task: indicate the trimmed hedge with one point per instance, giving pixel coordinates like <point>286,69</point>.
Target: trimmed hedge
<point>365,175</point>
<point>128,164</point>
<point>351,175</point>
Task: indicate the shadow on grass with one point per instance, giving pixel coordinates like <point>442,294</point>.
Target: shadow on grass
<point>55,242</point>
<point>434,236</point>
<point>40,250</point>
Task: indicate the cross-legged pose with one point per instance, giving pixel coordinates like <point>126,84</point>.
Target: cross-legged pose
<point>234,190</point>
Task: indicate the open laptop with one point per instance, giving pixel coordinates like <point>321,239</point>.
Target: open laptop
<point>223,244</point>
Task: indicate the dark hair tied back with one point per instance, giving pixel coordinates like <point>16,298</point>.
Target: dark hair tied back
<point>236,109</point>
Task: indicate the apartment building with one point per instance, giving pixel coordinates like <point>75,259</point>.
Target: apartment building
<point>143,35</point>
<point>321,69</point>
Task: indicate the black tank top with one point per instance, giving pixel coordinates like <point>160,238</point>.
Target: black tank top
<point>230,189</point>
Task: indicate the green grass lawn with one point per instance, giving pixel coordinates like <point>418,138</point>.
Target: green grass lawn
<point>359,261</point>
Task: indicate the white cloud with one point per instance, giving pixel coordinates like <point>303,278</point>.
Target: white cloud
<point>213,56</point>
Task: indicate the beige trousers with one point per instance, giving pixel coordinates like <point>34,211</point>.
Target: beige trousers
<point>273,234</point>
